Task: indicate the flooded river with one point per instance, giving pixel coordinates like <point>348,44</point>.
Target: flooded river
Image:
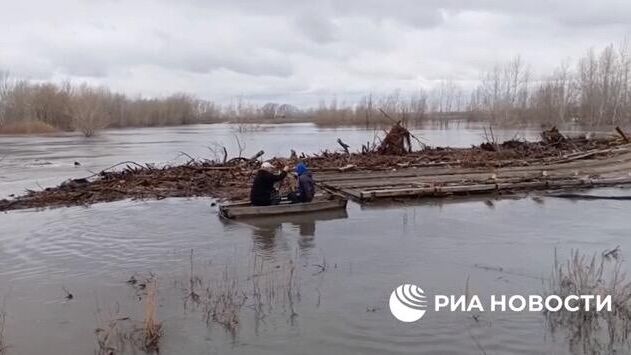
<point>304,285</point>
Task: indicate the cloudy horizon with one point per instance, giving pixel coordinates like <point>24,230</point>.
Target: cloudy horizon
<point>295,51</point>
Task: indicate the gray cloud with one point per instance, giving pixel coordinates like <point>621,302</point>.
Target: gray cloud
<point>319,29</point>
<point>294,50</point>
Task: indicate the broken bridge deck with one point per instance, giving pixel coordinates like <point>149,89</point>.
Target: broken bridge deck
<point>580,171</point>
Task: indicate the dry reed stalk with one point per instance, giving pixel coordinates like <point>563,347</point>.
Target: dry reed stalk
<point>152,327</point>
<point>290,291</point>
<point>226,303</point>
<point>111,339</point>
<point>595,275</point>
<point>266,286</point>
<point>193,280</point>
<point>3,345</point>
<point>115,335</point>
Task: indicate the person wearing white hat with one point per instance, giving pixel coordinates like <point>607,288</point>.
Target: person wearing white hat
<point>263,192</point>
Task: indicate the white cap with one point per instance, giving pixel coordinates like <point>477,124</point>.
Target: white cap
<point>267,166</point>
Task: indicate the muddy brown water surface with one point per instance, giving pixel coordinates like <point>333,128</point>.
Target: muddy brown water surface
<point>346,264</point>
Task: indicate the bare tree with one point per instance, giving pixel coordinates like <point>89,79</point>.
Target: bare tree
<point>269,110</point>
<point>89,109</point>
<point>4,91</point>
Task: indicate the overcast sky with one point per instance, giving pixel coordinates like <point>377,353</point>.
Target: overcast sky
<point>294,51</point>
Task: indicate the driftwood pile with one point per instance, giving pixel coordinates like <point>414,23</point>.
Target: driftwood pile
<point>142,182</point>
<point>553,136</point>
<point>513,152</point>
<point>231,179</point>
<point>397,141</point>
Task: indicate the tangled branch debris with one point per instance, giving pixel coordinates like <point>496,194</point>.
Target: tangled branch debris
<point>396,142</point>
<point>553,136</point>
<point>231,178</point>
<point>136,181</point>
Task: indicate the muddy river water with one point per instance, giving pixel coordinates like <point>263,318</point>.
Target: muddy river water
<point>315,284</point>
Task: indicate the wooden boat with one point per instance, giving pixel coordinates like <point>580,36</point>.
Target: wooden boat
<point>245,210</point>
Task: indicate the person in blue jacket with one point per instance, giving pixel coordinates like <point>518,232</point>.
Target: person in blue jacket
<point>305,186</point>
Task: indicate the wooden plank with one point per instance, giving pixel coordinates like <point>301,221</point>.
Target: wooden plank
<point>485,177</point>
<point>612,181</point>
<point>416,181</point>
<point>467,188</point>
<point>534,185</point>
<point>485,188</point>
<point>381,185</point>
<point>565,183</point>
<point>424,191</point>
<point>352,193</point>
<point>622,161</point>
<point>436,181</point>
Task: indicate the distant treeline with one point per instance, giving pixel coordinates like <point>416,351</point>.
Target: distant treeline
<point>25,105</point>
<point>596,90</point>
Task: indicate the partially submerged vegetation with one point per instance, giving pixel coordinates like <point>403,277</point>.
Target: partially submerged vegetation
<point>121,333</point>
<point>230,179</point>
<point>152,329</point>
<point>590,331</point>
<point>264,288</point>
<point>3,345</point>
<point>220,295</point>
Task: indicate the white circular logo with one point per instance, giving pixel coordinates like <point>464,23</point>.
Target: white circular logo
<point>407,303</point>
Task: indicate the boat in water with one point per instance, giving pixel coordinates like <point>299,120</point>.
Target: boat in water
<point>244,209</point>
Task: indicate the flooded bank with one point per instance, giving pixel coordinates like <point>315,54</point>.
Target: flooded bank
<point>345,265</point>
<point>390,167</point>
<point>34,162</point>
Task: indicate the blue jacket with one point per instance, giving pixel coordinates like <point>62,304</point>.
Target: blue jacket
<point>306,185</point>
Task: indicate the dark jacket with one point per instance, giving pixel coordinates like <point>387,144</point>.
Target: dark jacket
<point>306,187</point>
<point>263,187</point>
